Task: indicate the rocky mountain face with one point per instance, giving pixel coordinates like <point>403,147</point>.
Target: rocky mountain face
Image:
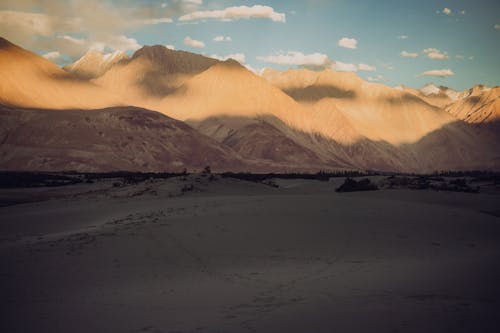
<point>233,119</point>
<point>438,96</point>
<point>479,105</point>
<point>119,138</point>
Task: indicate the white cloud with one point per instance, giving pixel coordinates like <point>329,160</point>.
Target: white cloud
<point>75,47</point>
<point>153,21</point>
<point>96,23</point>
<point>297,59</point>
<point>343,67</point>
<point>387,66</point>
<point>236,13</point>
<point>463,12</point>
<point>52,55</point>
<point>403,37</point>
<point>73,40</point>
<point>170,46</point>
<point>446,11</point>
<point>497,26</point>
<point>239,57</point>
<point>254,70</point>
<point>315,60</point>
<point>366,68</point>
<point>30,23</point>
<point>122,43</point>
<point>182,5</point>
<point>193,43</point>
<point>433,53</point>
<point>408,54</point>
<point>438,73</point>
<point>375,78</point>
<point>460,57</point>
<point>222,39</point>
<point>349,43</point>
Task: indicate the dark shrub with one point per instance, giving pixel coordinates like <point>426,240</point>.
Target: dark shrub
<point>187,188</point>
<point>350,185</point>
<point>207,170</point>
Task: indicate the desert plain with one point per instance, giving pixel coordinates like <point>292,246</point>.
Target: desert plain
<point>200,253</point>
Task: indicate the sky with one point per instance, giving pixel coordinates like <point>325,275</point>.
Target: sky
<point>455,43</point>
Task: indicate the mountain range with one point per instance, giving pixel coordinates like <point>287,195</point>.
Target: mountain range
<point>166,110</point>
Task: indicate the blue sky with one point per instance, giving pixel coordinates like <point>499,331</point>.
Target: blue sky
<point>454,42</point>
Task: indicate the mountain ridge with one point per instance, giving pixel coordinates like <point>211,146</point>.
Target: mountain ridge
<point>293,120</point>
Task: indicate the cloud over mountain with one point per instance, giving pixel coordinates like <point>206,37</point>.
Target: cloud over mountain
<point>294,58</point>
<point>348,43</point>
<point>343,67</point>
<point>236,13</point>
<point>52,55</point>
<point>194,43</point>
<point>222,39</point>
<point>407,54</point>
<point>438,73</point>
<point>433,53</point>
<point>78,25</point>
<point>367,68</point>
<point>239,57</point>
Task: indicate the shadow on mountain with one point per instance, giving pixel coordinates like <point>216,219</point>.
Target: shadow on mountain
<point>456,146</point>
<point>262,140</point>
<point>168,61</point>
<point>315,93</point>
<point>135,139</point>
<point>111,139</point>
<point>165,69</point>
<point>156,84</point>
<point>404,99</point>
<point>473,100</point>
<point>70,77</point>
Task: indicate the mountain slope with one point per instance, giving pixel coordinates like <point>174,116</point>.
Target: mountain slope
<point>382,128</point>
<point>229,89</point>
<point>120,138</point>
<point>245,112</point>
<point>152,73</point>
<point>94,64</point>
<point>293,120</point>
<point>29,80</point>
<point>478,106</point>
<point>372,111</point>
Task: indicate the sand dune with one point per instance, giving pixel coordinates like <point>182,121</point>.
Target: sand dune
<point>233,256</point>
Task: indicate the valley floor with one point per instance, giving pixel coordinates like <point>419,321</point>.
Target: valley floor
<point>198,255</point>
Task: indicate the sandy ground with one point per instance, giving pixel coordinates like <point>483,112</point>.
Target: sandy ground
<point>234,256</point>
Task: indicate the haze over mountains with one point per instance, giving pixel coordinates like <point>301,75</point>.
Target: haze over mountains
<point>230,118</point>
